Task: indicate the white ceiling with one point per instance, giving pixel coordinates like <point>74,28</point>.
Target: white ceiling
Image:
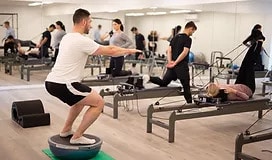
<point>126,5</point>
<point>122,4</point>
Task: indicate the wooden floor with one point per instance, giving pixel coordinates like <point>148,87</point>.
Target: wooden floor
<point>125,138</point>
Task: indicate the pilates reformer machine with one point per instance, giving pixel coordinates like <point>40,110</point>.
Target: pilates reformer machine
<point>153,62</point>
<point>243,139</point>
<point>28,62</point>
<point>129,92</point>
<point>34,64</point>
<point>103,79</point>
<point>94,62</point>
<point>130,59</point>
<point>209,107</point>
<point>9,61</point>
<point>248,137</point>
<point>150,63</point>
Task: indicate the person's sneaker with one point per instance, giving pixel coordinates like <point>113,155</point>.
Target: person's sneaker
<point>66,134</point>
<point>146,78</point>
<point>82,140</point>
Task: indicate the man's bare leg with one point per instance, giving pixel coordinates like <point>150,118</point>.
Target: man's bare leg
<point>95,103</point>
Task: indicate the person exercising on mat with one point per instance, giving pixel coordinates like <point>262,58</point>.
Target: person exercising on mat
<point>178,57</point>
<point>64,80</point>
<point>244,86</point>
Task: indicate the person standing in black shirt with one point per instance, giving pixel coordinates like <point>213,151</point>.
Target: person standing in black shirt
<point>140,42</point>
<point>178,57</point>
<point>252,58</point>
<point>45,42</point>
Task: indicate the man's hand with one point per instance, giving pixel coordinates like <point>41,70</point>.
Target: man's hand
<point>171,64</point>
<point>38,46</point>
<point>133,51</point>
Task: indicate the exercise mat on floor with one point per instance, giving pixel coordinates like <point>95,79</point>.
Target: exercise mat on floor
<point>100,156</point>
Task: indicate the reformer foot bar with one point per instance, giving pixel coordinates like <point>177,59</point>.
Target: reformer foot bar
<point>108,80</point>
<point>257,103</point>
<point>140,94</point>
<point>242,139</point>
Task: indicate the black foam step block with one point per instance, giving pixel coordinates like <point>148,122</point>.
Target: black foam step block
<point>29,113</point>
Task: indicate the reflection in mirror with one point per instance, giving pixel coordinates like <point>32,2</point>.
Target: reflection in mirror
<point>221,26</point>
<point>26,21</point>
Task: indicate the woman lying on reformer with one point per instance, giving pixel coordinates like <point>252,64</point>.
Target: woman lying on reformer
<point>232,92</point>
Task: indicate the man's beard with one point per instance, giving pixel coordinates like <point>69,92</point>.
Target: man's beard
<point>86,31</point>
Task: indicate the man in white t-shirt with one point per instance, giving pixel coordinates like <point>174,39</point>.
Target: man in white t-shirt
<point>64,80</point>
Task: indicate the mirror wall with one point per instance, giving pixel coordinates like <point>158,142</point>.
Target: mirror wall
<point>221,27</point>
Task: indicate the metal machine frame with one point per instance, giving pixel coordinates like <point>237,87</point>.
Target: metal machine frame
<point>34,65</point>
<point>243,139</point>
<point>140,94</point>
<point>255,104</point>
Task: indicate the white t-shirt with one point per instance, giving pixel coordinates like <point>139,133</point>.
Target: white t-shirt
<point>74,50</point>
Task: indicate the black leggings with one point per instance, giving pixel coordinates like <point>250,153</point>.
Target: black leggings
<point>246,73</point>
<point>56,54</point>
<point>44,52</point>
<point>116,65</point>
<point>181,72</point>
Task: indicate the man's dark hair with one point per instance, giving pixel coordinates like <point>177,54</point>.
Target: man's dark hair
<point>6,22</point>
<point>80,14</point>
<point>99,26</point>
<point>10,37</point>
<point>191,24</point>
<point>133,29</point>
<point>257,26</point>
<point>52,26</point>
